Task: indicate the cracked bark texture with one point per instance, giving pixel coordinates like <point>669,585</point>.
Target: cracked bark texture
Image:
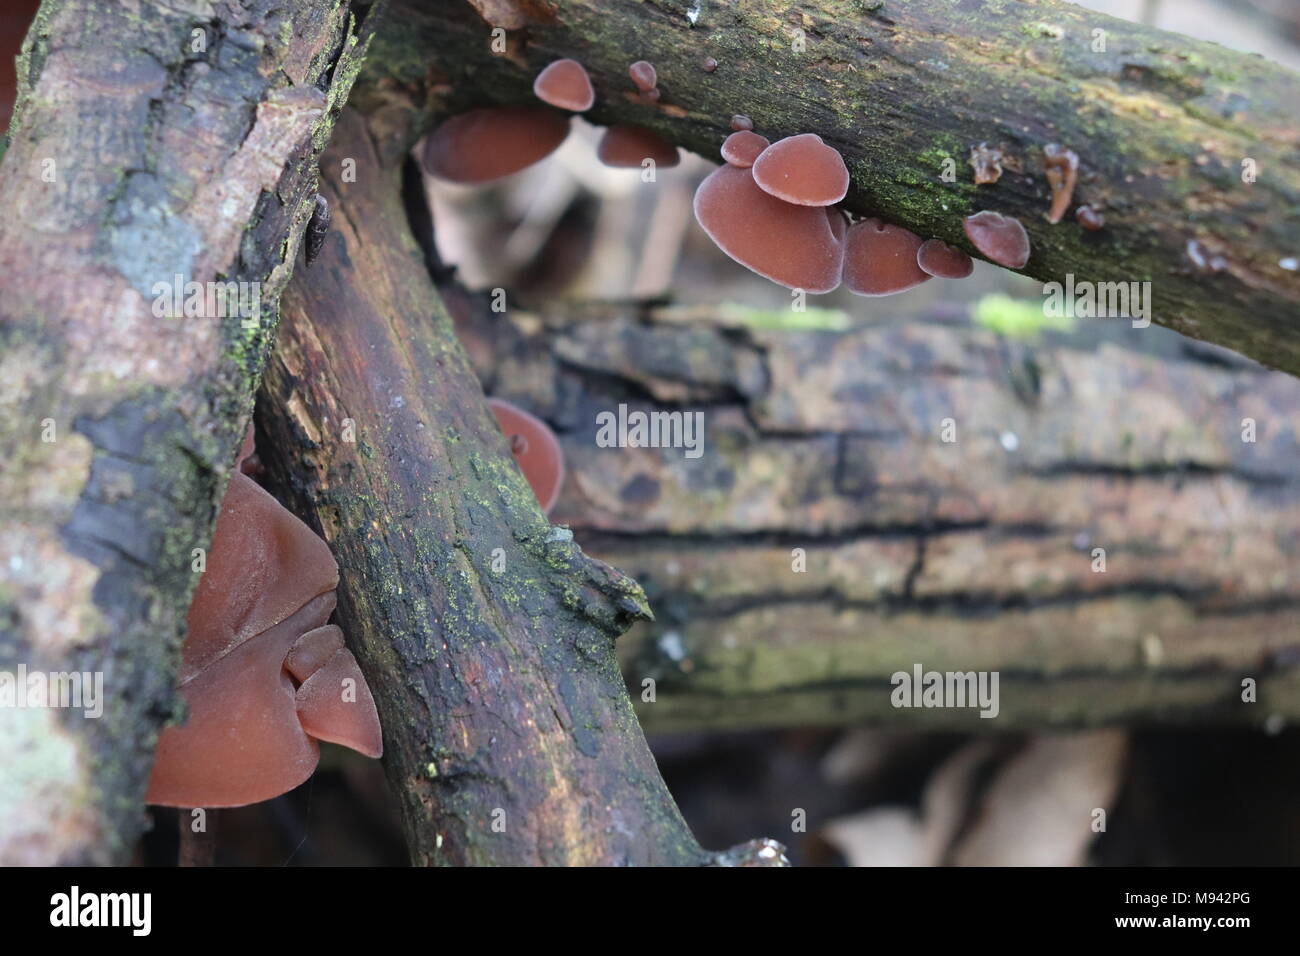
<point>486,635</point>
<point>1162,123</point>
<point>971,555</point>
<point>150,140</point>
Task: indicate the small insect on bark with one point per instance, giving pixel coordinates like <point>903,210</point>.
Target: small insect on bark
<point>317,226</point>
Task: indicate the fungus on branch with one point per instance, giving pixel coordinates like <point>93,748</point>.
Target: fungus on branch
<point>939,259</point>
<point>535,448</point>
<point>1062,173</point>
<point>565,85</point>
<point>1002,239</point>
<point>262,674</point>
<point>492,142</point>
<point>802,170</point>
<point>799,247</point>
<point>743,147</point>
<point>881,259</point>
<point>631,146</point>
<point>643,75</point>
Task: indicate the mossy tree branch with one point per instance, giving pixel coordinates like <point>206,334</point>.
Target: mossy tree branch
<point>1165,126</point>
<point>485,633</point>
<point>150,141</point>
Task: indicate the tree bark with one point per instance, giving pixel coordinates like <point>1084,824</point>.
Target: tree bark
<point>150,141</point>
<point>826,448</point>
<point>1168,130</point>
<point>486,634</point>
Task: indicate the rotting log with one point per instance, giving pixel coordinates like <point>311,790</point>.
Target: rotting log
<point>975,554</point>
<point>1190,149</point>
<point>149,141</point>
<point>486,635</point>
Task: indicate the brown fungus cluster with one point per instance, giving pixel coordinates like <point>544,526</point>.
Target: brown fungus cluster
<point>757,209</point>
<point>794,246</point>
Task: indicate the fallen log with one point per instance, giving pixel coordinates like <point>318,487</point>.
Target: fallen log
<point>1111,527</point>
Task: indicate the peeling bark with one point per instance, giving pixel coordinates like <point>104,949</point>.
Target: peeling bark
<point>1163,125</point>
<point>972,555</point>
<point>149,141</point>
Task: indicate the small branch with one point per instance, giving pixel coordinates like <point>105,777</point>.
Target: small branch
<point>485,633</point>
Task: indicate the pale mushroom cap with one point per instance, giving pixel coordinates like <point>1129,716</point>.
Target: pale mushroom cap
<point>740,121</point>
<point>743,147</point>
<point>938,258</point>
<point>630,146</point>
<point>794,246</point>
<point>492,142</point>
<point>643,75</point>
<point>880,259</point>
<point>1001,239</point>
<point>541,458</point>
<point>566,85</point>
<point>802,170</point>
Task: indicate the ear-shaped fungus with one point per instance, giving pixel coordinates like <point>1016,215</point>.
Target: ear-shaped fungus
<point>1001,238</point>
<point>536,450</point>
<point>258,700</point>
<point>1062,166</point>
<point>643,75</point>
<point>743,147</point>
<point>1089,218</point>
<point>492,142</point>
<point>938,258</point>
<point>880,259</point>
<point>565,84</point>
<point>630,146</point>
<point>799,247</point>
<point>802,170</point>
